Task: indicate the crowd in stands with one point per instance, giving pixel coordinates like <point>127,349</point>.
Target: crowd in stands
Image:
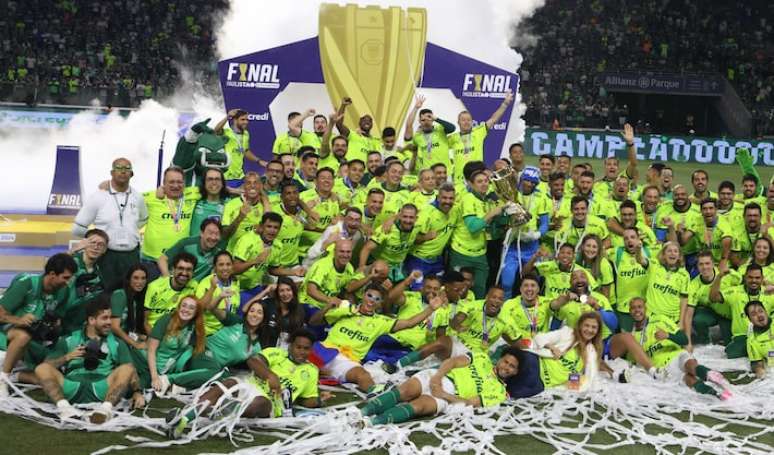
<point>578,40</point>
<point>121,51</point>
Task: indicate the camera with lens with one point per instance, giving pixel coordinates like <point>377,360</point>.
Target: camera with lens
<point>46,329</point>
<point>93,354</point>
<point>88,284</point>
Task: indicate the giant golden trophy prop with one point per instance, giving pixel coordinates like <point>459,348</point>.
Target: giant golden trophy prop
<point>373,56</point>
<point>506,186</point>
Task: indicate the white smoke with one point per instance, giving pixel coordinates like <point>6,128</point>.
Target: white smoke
<point>25,179</point>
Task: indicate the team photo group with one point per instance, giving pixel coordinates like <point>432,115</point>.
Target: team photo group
<point>475,284</point>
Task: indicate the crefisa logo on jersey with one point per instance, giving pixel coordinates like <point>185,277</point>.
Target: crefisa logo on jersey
<point>485,85</point>
<point>252,75</point>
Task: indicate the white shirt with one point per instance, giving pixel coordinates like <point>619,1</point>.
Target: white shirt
<point>316,250</point>
<point>120,214</point>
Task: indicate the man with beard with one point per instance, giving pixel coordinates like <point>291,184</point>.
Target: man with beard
<point>169,217</point>
<point>706,313</point>
<point>289,236</point>
<point>203,247</point>
<point>372,210</point>
<point>162,294</point>
<point>332,153</point>
<point>275,172</point>
<point>327,278</point>
<point>360,141</point>
<point>435,225</point>
<point>599,206</point>
<point>347,228</point>
<point>581,224</point>
<point>713,233</point>
<point>560,209</point>
<point>295,138</point>
<point>649,205</point>
<point>324,202</point>
<point>529,312</point>
<point>288,165</point>
<point>728,208</point>
<point>744,241</point>
<point>304,178</point>
<point>238,145</point>
<point>395,194</point>
<point>676,217</point>
<point>432,141</point>
<point>628,218</point>
<point>480,324</point>
<point>581,299</point>
<point>760,338</point>
<point>736,298</point>
<point>700,182</point>
<point>750,192</point>
<point>392,243</point>
<point>351,189</point>
<point>631,278</point>
<point>255,253</point>
<point>556,273</point>
<point>354,330</point>
<point>546,165</point>
<point>240,215</point>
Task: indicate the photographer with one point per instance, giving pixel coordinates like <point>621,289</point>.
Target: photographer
<point>87,281</point>
<point>27,299</point>
<point>96,366</point>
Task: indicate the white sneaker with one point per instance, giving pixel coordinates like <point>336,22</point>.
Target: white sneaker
<point>102,414</point>
<point>68,412</point>
<point>4,390</point>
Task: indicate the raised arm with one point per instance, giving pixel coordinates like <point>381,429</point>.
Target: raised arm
<point>498,114</point>
<point>433,305</point>
<point>408,134</point>
<point>631,150</point>
<point>219,126</point>
<point>340,122</point>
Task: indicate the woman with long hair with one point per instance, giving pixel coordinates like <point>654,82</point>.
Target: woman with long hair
<point>214,197</point>
<point>174,340</point>
<point>283,313</point>
<point>667,290</point>
<point>128,314</point>
<point>763,255</point>
<point>565,357</point>
<point>220,289</point>
<point>591,257</point>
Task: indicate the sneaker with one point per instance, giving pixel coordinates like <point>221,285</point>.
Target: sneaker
<point>717,377</point>
<point>69,413</point>
<point>176,424</point>
<point>99,417</point>
<point>659,374</point>
<point>389,368</point>
<point>624,376</point>
<point>377,389</point>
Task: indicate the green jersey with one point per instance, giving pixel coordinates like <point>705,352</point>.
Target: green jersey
<point>169,220</point>
<point>557,372</point>
<point>174,349</point>
<point>421,199</point>
<point>299,378</point>
<point>205,210</point>
<point>252,219</point>
<point>432,148</point>
<point>249,247</point>
<point>25,295</point>
<point>665,290</point>
<point>85,286</point>
<point>115,350</point>
<point>647,236</point>
<point>237,145</point>
<point>161,298</point>
<point>286,143</point>
<point>478,379</point>
<point>538,205</point>
<point>432,219</point>
<point>204,258</point>
<point>661,352</point>
<point>479,330</point>
<point>688,218</point>
<point>711,237</point>
<point>349,194</point>
<point>557,281</point>
<point>119,308</point>
<point>393,244</point>
<point>353,333</point>
<point>358,146</point>
<point>467,147</point>
<point>736,297</point>
<point>528,320</point>
<point>421,334</point>
<point>760,345</point>
<point>463,241</point>
<point>394,200</point>
<point>328,279</point>
<point>328,208</point>
<point>231,344</point>
<point>289,238</point>
<point>570,312</point>
<point>230,305</point>
<point>699,294</point>
<point>631,278</point>
<point>743,241</point>
<point>574,235</point>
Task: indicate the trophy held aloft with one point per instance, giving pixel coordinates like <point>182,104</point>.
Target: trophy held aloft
<point>506,186</point>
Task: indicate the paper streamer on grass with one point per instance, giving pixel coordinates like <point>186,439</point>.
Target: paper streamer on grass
<point>667,416</point>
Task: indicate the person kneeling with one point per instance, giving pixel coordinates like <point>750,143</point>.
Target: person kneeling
<point>469,379</point>
<point>96,364</point>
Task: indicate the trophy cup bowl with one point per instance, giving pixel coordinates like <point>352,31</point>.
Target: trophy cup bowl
<point>506,186</point>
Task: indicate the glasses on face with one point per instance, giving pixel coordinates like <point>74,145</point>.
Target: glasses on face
<point>376,298</point>
<point>120,168</point>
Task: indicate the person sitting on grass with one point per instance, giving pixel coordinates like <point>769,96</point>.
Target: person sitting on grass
<point>470,379</point>
<point>96,364</point>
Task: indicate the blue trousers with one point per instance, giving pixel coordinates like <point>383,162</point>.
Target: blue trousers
<point>513,265</point>
<point>433,267</point>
